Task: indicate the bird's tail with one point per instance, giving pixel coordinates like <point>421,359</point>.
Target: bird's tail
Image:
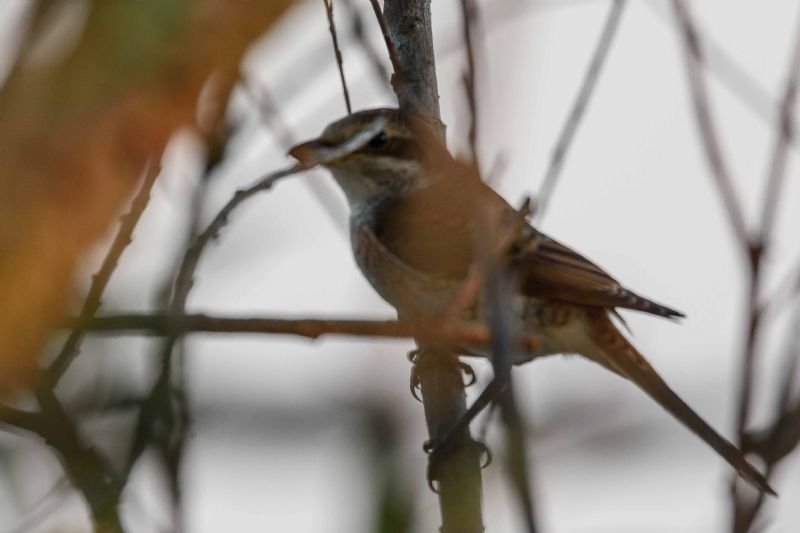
<point>615,352</point>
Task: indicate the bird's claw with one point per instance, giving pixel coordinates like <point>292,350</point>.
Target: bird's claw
<point>415,385</point>
<point>434,447</point>
<point>484,452</point>
<point>469,373</point>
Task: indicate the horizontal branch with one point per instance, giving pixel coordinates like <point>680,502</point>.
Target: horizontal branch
<point>460,333</point>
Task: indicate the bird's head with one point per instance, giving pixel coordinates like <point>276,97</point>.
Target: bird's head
<point>372,154</point>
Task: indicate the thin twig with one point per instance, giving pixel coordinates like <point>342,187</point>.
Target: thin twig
<point>92,302</point>
<point>397,66</point>
<point>153,409</point>
<point>338,53</point>
<point>272,119</point>
<point>784,138</point>
<point>731,74</point>
<point>469,13</point>
<point>268,111</point>
<point>578,108</point>
<point>360,35</point>
<point>693,59</point>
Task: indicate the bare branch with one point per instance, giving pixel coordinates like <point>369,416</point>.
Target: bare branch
<point>469,14</point>
<point>578,109</point>
<point>777,171</point>
<point>88,471</point>
<point>360,34</point>
<point>410,30</point>
<point>693,59</point>
<point>447,332</point>
<point>390,48</point>
<point>268,111</point>
<point>92,302</point>
<point>273,120</point>
<point>338,53</point>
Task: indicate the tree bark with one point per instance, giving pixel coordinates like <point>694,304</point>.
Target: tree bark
<point>456,470</point>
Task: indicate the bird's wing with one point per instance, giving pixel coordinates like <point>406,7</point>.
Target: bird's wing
<point>548,269</point>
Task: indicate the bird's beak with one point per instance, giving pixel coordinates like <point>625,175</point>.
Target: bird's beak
<point>306,153</point>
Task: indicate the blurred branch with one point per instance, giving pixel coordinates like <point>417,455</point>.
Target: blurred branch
<point>578,110</point>
<point>272,118</point>
<point>163,419</point>
<point>161,405</point>
<point>448,332</point>
<point>731,74</point>
<point>338,53</point>
<point>268,111</point>
<point>92,302</point>
<point>499,290</point>
<point>693,59</point>
<point>755,247</point>
<point>784,436</point>
<point>489,275</point>
<point>783,140</point>
<point>360,34</point>
<point>89,472</point>
<point>44,508</point>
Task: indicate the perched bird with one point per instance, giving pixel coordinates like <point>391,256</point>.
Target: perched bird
<point>417,219</point>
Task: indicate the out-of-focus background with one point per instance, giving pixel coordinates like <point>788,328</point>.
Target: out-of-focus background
<point>301,436</point>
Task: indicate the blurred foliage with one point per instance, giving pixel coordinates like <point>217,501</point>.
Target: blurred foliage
<point>81,115</point>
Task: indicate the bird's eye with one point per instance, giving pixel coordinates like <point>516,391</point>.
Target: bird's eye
<point>379,141</point>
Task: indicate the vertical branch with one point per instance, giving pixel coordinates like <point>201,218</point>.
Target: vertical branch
<point>693,59</point>
<point>409,29</point>
<point>456,471</point>
<point>504,342</point>
<point>744,513</point>
<point>338,53</point>
<point>396,65</point>
<point>578,108</point>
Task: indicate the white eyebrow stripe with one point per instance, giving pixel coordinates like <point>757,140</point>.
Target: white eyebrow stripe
<point>353,144</point>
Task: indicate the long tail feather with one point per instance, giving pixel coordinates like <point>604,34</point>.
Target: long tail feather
<point>616,352</point>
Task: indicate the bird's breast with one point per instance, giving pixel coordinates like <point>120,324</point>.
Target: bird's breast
<point>413,293</point>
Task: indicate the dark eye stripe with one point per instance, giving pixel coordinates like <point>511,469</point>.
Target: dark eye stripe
<point>397,147</point>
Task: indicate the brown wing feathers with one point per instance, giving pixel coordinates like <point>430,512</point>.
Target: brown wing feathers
<point>432,231</point>
<point>549,269</point>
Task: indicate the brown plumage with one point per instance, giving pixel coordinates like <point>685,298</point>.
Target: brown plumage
<point>419,222</point>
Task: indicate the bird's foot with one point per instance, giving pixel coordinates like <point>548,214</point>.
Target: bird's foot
<point>439,450</point>
<point>416,359</point>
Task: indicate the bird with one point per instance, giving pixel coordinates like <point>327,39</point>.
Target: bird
<point>418,217</point>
